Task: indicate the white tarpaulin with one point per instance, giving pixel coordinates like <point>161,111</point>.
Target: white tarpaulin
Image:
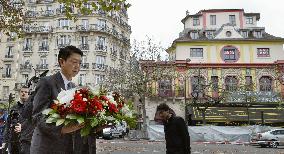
<point>212,133</point>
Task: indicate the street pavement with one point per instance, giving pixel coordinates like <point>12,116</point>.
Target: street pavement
<point>121,146</point>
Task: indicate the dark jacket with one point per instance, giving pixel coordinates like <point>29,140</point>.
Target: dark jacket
<point>177,136</point>
<point>47,138</point>
<point>15,116</point>
<point>27,125</point>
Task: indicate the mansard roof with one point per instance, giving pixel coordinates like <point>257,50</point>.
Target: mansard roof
<point>202,37</point>
<point>199,13</point>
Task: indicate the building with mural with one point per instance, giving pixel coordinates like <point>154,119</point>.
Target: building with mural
<point>230,71</point>
<point>104,38</point>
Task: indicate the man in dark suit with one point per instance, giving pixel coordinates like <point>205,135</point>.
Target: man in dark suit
<point>176,133</point>
<point>47,138</point>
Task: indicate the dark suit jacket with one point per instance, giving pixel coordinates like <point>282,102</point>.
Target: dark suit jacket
<point>47,138</point>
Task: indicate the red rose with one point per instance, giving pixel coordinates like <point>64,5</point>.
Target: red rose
<point>112,108</point>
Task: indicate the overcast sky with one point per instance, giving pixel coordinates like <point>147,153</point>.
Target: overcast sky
<point>161,19</point>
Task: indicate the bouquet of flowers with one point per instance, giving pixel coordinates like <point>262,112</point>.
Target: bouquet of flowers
<point>87,109</point>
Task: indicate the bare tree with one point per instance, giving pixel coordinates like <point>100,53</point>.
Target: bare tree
<point>136,77</point>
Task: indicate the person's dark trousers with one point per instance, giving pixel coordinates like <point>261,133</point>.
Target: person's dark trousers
<point>176,151</point>
<point>15,148</point>
<point>25,147</point>
<point>85,145</point>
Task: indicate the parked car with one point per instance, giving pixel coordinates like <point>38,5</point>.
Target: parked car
<point>272,138</point>
<point>119,130</point>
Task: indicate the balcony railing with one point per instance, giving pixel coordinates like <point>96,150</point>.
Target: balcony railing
<point>84,65</point>
<point>165,93</point>
<point>99,67</point>
<point>9,56</point>
<point>31,14</point>
<point>63,45</point>
<point>26,66</point>
<point>47,13</point>
<point>38,29</point>
<point>101,47</point>
<point>84,46</point>
<point>42,66</point>
<point>27,48</point>
<point>18,85</point>
<point>43,48</point>
<point>6,75</point>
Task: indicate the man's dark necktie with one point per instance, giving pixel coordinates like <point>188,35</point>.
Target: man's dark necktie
<point>69,85</point>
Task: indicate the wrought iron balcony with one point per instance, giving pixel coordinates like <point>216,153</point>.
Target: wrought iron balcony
<point>9,56</point>
<point>62,45</point>
<point>6,75</point>
<point>47,13</point>
<point>101,47</point>
<point>99,67</point>
<point>27,48</point>
<point>84,46</point>
<point>43,48</point>
<point>18,85</point>
<point>31,14</point>
<point>82,28</point>
<point>84,65</point>
<point>165,93</point>
<point>26,66</point>
<point>42,66</point>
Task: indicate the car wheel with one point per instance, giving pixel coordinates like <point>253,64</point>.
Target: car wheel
<point>262,145</point>
<point>274,144</point>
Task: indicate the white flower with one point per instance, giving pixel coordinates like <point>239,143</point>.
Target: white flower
<point>126,111</point>
<point>65,96</point>
<point>95,90</point>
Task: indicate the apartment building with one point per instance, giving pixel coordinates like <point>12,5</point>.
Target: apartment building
<point>104,38</point>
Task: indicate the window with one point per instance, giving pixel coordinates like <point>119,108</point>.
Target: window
<point>196,52</point>
<point>28,44</point>
<point>230,54</point>
<point>85,23</point>
<point>44,44</point>
<point>231,83</point>
<point>228,33</point>
<point>6,92</point>
<point>249,20</point>
<point>99,78</point>
<point>263,52</point>
<point>194,35</point>
<point>244,34</point>
<point>232,19</point>
<point>102,24</point>
<point>64,40</point>
<point>165,88</point>
<point>100,60</point>
<point>265,83</point>
<point>101,43</point>
<point>209,34</point>
<point>84,39</point>
<point>212,19</point>
<point>257,34</point>
<point>197,83</point>
<point>248,84</point>
<point>196,21</point>
<point>214,80</point>
<point>43,60</point>
<point>82,79</point>
<point>87,5</point>
<point>9,53</point>
<point>25,78</point>
<point>8,70</point>
<point>63,23</point>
